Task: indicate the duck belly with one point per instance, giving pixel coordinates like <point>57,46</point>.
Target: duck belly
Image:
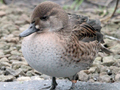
<point>46,56</point>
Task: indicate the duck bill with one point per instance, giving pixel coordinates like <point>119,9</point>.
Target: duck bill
<point>29,31</point>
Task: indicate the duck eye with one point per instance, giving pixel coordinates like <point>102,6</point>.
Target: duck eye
<point>44,18</point>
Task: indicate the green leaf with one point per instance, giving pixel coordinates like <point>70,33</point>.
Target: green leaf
<point>78,4</point>
<point>1,1</point>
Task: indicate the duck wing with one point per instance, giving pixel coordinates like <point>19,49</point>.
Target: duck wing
<point>77,20</point>
<point>87,32</point>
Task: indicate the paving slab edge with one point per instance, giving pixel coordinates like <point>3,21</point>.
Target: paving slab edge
<point>62,85</point>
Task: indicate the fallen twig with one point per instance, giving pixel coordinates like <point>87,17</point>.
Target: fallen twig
<point>109,17</point>
<point>6,2</point>
<point>115,8</point>
<point>111,37</point>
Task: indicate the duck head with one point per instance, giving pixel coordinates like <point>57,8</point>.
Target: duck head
<point>46,17</point>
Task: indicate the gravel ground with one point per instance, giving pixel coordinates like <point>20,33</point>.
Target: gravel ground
<point>13,67</point>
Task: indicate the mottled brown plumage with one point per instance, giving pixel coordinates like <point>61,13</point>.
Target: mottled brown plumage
<point>59,44</point>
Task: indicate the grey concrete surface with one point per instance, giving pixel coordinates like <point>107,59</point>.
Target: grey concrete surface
<point>62,85</point>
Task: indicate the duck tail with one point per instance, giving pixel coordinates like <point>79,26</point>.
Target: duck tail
<point>104,49</point>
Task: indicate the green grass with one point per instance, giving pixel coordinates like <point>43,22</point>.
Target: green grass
<point>1,1</point>
<point>102,13</point>
<point>66,7</point>
<point>118,11</point>
<point>78,3</point>
<point>75,5</point>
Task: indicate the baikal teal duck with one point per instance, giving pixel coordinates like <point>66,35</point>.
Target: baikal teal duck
<point>60,44</point>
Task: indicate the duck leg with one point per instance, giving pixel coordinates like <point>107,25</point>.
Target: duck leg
<point>72,86</point>
<point>53,86</point>
<point>74,80</point>
<point>54,83</point>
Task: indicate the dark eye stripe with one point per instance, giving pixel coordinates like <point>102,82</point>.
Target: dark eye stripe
<point>44,18</point>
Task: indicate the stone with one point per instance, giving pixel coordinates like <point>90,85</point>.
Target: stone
<point>19,10</point>
<point>12,40</point>
<point>114,69</point>
<point>7,55</point>
<point>115,48</point>
<point>45,76</point>
<point>3,68</point>
<point>24,27</point>
<point>16,33</point>
<point>2,72</point>
<point>23,59</point>
<point>2,13</point>
<point>102,68</point>
<point>117,34</point>
<point>15,52</point>
<point>105,78</point>
<point>36,72</point>
<point>10,36</point>
<point>117,56</point>
<point>82,76</point>
<point>25,68</point>
<point>94,76</point>
<point>91,81</point>
<point>7,51</point>
<point>25,17</point>
<point>18,46</point>
<point>92,69</point>
<point>103,73</point>
<point>86,71</point>
<point>2,44</point>
<point>117,77</point>
<point>3,7</point>
<point>4,59</point>
<point>17,64</point>
<point>4,64</point>
<point>36,78</point>
<point>97,61</point>
<point>9,71</point>
<point>108,61</point>
<point>1,54</point>
<point>109,42</point>
<point>109,72</point>
<point>14,72</point>
<point>4,78</point>
<point>19,22</point>
<point>118,62</point>
<point>30,73</point>
<point>12,29</point>
<point>14,57</point>
<point>23,78</point>
<point>6,47</point>
<point>15,67</point>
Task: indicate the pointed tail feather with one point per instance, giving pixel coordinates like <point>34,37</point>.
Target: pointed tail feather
<point>104,49</point>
